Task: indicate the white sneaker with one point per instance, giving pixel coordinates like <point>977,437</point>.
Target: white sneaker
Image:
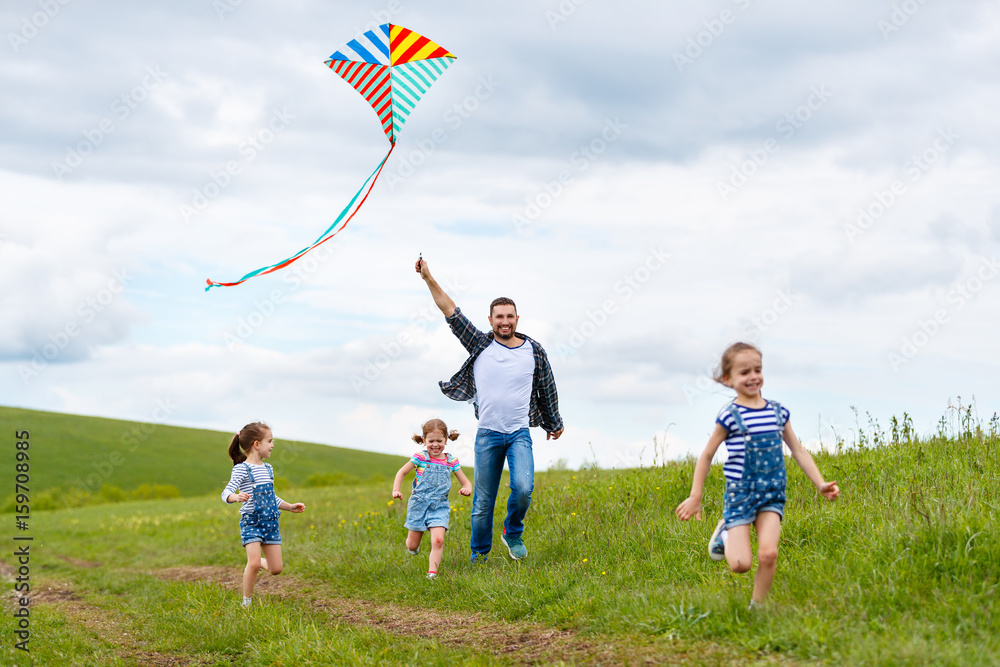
<point>717,543</point>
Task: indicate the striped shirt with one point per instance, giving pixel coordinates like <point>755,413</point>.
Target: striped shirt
<point>422,459</point>
<point>757,420</point>
<point>240,482</point>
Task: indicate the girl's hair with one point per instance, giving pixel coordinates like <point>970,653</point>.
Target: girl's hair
<point>432,425</point>
<point>244,439</point>
<point>726,365</point>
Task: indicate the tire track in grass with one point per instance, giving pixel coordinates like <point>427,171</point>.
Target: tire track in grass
<point>61,597</point>
<point>517,642</point>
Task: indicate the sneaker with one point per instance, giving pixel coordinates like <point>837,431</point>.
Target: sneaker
<point>716,545</point>
<point>432,575</point>
<point>247,602</point>
<point>413,552</point>
<point>477,558</point>
<point>515,546</point>
<point>755,606</point>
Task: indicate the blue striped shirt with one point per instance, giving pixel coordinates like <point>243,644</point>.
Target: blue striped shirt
<point>757,420</point>
<point>240,481</point>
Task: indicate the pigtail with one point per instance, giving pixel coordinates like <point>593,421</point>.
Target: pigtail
<point>244,439</point>
<point>236,452</point>
<point>453,436</point>
<point>418,439</point>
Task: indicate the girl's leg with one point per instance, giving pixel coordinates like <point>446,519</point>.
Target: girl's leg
<point>768,525</point>
<point>437,547</point>
<point>413,539</point>
<point>253,566</point>
<point>273,554</point>
<point>738,553</point>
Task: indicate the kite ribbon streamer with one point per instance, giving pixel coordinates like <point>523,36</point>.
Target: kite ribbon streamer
<point>339,224</point>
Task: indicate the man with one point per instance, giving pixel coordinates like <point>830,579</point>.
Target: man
<point>510,380</point>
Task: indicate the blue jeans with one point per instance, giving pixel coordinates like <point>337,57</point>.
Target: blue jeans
<point>491,450</point>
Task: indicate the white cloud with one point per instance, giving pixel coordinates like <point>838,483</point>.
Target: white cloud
<point>625,371</point>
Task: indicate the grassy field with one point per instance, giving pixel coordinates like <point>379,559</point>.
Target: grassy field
<point>903,569</point>
<point>71,452</point>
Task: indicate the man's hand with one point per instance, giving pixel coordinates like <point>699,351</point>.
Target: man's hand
<point>422,269</point>
<point>441,300</point>
<point>554,435</point>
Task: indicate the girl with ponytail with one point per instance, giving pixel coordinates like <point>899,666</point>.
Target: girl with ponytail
<point>252,483</point>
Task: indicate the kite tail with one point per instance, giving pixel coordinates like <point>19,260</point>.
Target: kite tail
<point>330,232</point>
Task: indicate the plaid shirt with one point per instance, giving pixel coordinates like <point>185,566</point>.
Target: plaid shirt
<point>543,409</point>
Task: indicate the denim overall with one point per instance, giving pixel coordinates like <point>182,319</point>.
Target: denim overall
<point>261,525</point>
<point>428,506</point>
<point>762,487</point>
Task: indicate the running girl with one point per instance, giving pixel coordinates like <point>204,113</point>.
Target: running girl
<point>252,483</point>
<point>753,429</point>
<point>428,508</point>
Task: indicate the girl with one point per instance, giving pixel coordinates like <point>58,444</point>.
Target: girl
<point>428,508</point>
<point>252,483</point>
<point>752,429</point>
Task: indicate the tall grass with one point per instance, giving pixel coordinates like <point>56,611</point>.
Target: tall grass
<point>903,569</point>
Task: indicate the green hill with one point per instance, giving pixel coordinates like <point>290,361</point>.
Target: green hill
<point>83,453</point>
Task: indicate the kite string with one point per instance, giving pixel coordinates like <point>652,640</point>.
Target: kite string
<point>325,236</point>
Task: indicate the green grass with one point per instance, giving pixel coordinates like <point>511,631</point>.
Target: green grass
<point>903,569</point>
<point>70,452</point>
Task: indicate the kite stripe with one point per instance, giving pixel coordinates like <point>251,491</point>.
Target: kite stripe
<point>380,43</point>
<point>407,46</point>
<point>371,47</point>
<point>338,226</point>
<point>411,48</point>
<point>409,83</point>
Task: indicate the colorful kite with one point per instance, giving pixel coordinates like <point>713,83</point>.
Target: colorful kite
<point>391,67</point>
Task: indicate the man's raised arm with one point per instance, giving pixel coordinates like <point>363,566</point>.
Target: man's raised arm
<point>442,300</point>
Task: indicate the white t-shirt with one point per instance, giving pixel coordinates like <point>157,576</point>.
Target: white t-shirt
<point>503,386</point>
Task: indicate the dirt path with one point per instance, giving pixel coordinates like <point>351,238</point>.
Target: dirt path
<point>60,596</point>
<point>520,643</point>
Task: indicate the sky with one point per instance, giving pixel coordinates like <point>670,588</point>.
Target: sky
<point>649,182</point>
